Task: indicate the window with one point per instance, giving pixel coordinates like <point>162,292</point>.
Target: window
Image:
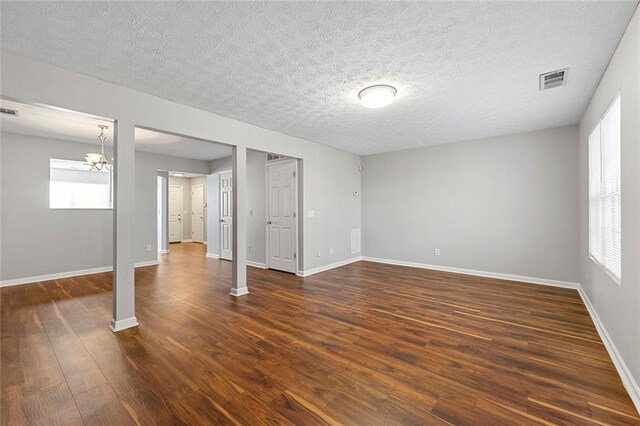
<point>605,231</point>
<point>73,186</point>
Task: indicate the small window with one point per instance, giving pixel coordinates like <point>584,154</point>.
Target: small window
<point>605,213</point>
<point>73,186</point>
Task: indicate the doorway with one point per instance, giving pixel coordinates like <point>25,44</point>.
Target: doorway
<point>226,215</point>
<point>282,201</point>
<point>175,213</point>
<point>197,213</point>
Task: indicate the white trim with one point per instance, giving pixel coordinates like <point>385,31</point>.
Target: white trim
<point>328,267</point>
<point>123,324</point>
<point>239,292</point>
<point>69,274</point>
<point>146,263</point>
<point>186,241</point>
<point>298,217</point>
<point>625,375</point>
<point>163,251</point>
<point>510,277</point>
<point>213,255</point>
<point>49,277</point>
<point>256,264</point>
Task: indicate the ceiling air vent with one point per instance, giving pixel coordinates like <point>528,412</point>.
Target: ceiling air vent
<point>8,111</point>
<point>553,79</point>
<point>274,157</point>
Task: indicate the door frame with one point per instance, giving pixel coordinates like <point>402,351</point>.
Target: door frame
<point>203,212</point>
<point>218,223</point>
<point>181,212</point>
<point>266,210</point>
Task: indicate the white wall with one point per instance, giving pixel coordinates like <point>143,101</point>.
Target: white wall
<point>618,306</point>
<point>38,241</point>
<point>330,175</point>
<point>502,205</point>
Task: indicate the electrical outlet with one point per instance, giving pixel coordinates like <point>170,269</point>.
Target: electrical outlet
<point>248,249</point>
<point>311,213</point>
<point>437,252</point>
<point>318,253</point>
<point>148,247</point>
<point>250,213</point>
<point>331,250</point>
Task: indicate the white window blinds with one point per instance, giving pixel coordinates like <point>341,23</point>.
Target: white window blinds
<point>605,214</point>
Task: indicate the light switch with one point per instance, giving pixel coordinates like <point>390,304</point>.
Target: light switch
<point>311,213</point>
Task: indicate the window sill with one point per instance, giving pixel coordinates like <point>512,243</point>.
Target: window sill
<point>615,279</point>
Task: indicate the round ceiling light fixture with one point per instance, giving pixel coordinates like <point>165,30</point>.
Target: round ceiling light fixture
<point>377,96</point>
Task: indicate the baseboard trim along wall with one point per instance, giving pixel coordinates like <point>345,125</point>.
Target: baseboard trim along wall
<point>69,274</point>
<point>213,255</point>
<point>327,267</point>
<point>628,381</point>
<point>256,264</point>
<point>485,274</point>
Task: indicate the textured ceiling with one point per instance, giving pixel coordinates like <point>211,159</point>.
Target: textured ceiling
<point>463,70</point>
<point>44,122</point>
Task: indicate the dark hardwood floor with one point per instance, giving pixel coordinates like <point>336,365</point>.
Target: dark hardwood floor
<point>362,344</point>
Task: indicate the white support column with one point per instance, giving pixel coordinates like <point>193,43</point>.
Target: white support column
<point>123,227</point>
<point>164,213</point>
<point>239,263</point>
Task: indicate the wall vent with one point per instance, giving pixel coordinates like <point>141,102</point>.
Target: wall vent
<point>274,157</point>
<point>8,111</point>
<point>553,79</point>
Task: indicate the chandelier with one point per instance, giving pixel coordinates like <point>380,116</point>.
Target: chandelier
<point>98,161</point>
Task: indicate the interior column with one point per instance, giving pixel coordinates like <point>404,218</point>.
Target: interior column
<point>123,227</point>
<point>239,248</point>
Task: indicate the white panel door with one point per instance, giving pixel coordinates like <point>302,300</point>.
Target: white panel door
<point>281,217</point>
<point>197,213</point>
<point>175,214</point>
<point>226,216</point>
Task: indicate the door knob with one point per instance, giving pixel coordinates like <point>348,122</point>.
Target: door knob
<point>268,222</point>
<point>221,220</point>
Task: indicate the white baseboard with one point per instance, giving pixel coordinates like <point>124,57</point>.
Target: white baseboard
<point>510,277</point>
<point>69,274</point>
<point>213,255</point>
<point>147,263</point>
<point>123,324</point>
<point>186,241</point>
<point>328,267</point>
<point>628,381</point>
<point>239,292</point>
<point>256,264</point>
<point>163,251</point>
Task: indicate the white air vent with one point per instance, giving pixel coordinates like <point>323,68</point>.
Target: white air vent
<point>274,157</point>
<point>553,79</point>
<point>8,111</point>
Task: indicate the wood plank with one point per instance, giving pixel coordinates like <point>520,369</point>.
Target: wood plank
<point>364,343</point>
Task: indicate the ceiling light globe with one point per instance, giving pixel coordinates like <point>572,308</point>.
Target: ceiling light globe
<point>377,96</point>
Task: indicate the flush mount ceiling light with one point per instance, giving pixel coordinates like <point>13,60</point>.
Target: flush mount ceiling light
<point>377,96</point>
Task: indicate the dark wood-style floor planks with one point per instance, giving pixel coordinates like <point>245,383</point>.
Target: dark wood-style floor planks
<point>362,344</point>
